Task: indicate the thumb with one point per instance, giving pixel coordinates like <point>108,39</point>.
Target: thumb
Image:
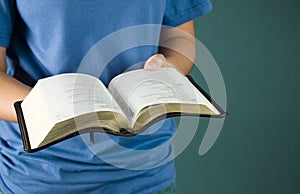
<point>155,62</point>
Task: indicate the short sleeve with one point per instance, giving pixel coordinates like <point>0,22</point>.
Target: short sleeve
<point>7,20</point>
<point>180,11</point>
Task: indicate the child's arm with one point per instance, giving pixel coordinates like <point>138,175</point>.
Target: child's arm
<point>180,39</point>
<point>11,90</point>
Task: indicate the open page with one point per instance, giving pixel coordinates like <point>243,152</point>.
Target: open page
<point>142,88</point>
<point>62,97</point>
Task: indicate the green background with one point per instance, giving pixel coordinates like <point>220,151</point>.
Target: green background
<point>256,45</point>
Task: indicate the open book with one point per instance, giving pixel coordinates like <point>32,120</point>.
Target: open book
<point>62,106</point>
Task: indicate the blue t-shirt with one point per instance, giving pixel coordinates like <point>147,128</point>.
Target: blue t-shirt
<point>103,38</point>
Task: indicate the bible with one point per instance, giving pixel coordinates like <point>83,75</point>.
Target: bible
<point>62,106</point>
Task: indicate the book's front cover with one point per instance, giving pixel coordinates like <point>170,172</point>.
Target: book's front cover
<point>22,126</point>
